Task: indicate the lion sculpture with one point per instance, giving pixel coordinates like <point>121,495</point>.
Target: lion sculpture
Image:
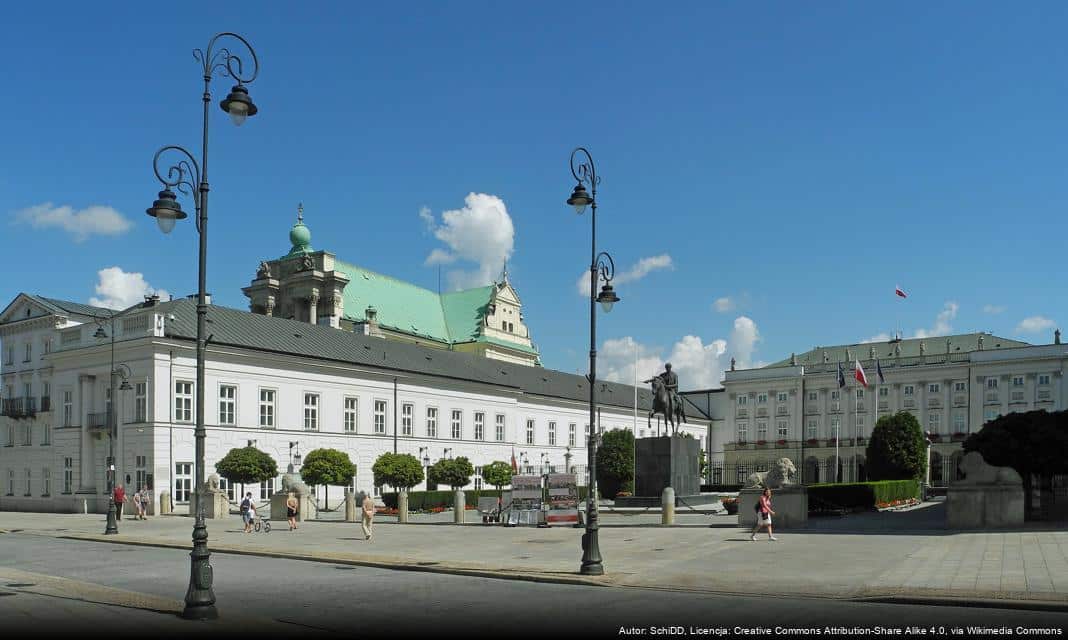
<point>778,476</point>
<point>213,482</point>
<point>292,482</point>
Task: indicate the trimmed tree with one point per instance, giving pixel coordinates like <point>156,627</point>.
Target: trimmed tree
<point>897,449</point>
<point>455,472</point>
<point>615,462</point>
<point>497,473</point>
<point>246,465</point>
<point>398,470</point>
<point>1033,443</point>
<point>327,467</point>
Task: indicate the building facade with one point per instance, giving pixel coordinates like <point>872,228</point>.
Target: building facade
<point>953,385</point>
<point>285,386</point>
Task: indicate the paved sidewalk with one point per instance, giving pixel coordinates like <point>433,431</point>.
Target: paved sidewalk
<point>877,555</point>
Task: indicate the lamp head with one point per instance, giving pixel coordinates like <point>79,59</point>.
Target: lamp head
<point>238,104</point>
<point>579,199</point>
<point>100,333</point>
<point>125,386</point>
<point>607,298</point>
<point>166,210</point>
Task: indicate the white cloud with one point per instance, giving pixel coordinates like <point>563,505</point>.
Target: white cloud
<point>480,232</point>
<point>993,309</point>
<point>723,305</point>
<point>644,267</point>
<point>1035,324</point>
<point>95,219</point>
<point>942,326</point>
<point>881,337</point>
<point>118,289</point>
<point>698,365</point>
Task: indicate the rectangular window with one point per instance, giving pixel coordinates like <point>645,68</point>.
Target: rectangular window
<point>813,396</point>
<point>762,430</point>
<point>836,424</point>
<point>782,397</point>
<point>227,404</point>
<point>457,424</point>
<point>934,422</point>
<point>762,398</point>
<point>183,401</point>
<point>140,402</point>
<point>933,388</point>
<point>743,400</point>
<point>783,429</point>
<point>1016,396</point>
<point>991,383</point>
<point>407,415</point>
<point>311,411</point>
<point>46,396</point>
<point>46,434</point>
<point>183,481</point>
<point>812,428</point>
<point>68,408</point>
<point>380,416</point>
<point>909,390</point>
<point>10,482</point>
<point>29,478</point>
<point>267,489</point>
<point>960,387</point>
<point>990,414</point>
<point>552,434</point>
<point>10,359</point>
<point>11,434</point>
<point>46,482</point>
<point>431,422</point>
<point>860,394</point>
<point>883,392</point>
<point>743,432</point>
<point>29,355</point>
<point>860,424</point>
<point>530,432</point>
<point>1017,381</point>
<point>480,425</point>
<point>267,408</point>
<point>27,434</point>
<point>1043,379</point>
<point>226,486</point>
<point>571,434</point>
<point>141,466</point>
<point>958,422</point>
<point>47,346</point>
<point>68,475</point>
<point>350,414</point>
<point>500,427</point>
<point>834,395</point>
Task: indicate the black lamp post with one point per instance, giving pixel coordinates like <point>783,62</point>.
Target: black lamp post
<point>424,455</point>
<point>601,264</point>
<point>192,179</point>
<point>112,526</point>
<point>294,458</point>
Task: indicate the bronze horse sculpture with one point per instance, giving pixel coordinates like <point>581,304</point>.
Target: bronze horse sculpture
<point>663,405</point>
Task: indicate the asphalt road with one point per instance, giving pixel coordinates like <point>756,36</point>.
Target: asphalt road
<point>305,598</point>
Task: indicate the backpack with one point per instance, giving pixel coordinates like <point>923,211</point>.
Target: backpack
<point>245,505</point>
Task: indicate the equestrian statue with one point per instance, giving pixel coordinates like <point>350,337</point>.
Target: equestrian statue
<point>666,401</point>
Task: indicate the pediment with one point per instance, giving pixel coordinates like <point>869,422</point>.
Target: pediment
<point>24,307</point>
<point>505,293</point>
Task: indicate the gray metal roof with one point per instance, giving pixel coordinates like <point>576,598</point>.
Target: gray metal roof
<point>258,332</point>
<point>909,348</point>
<point>73,307</point>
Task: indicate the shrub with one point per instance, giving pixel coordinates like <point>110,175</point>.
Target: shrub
<point>860,495</point>
<point>898,449</point>
<point>399,470</point>
<point>615,462</point>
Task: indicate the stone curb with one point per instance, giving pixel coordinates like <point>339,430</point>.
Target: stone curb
<point>888,596</point>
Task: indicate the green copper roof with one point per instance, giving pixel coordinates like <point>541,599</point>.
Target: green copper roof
<point>464,312</point>
<point>300,238</point>
<point>401,306</point>
<point>909,348</point>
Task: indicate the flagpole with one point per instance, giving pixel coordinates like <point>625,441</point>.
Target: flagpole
<point>838,427</point>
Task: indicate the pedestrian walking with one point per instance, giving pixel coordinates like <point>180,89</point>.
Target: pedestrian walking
<point>368,522</point>
<point>248,511</point>
<point>764,513</point>
<point>119,495</point>
<point>146,501</point>
<point>291,510</point>
<point>138,504</point>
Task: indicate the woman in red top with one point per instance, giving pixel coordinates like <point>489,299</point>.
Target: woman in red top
<point>764,514</point>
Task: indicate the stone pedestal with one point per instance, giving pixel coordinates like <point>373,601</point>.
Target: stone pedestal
<point>667,461</point>
<point>790,504</point>
<point>216,506</point>
<point>350,506</point>
<point>459,507</point>
<point>306,509</point>
<point>987,497</point>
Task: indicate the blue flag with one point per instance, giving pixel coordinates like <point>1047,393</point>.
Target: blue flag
<point>841,376</point>
<point>879,371</point>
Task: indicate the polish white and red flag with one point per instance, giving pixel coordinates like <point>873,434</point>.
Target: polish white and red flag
<point>899,291</point>
<point>858,373</point>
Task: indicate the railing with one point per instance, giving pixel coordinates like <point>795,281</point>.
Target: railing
<point>1017,397</point>
<point>743,413</point>
<point>73,336</point>
<point>19,407</point>
<point>891,363</point>
<point>1044,396</point>
<point>884,405</point>
<point>96,420</point>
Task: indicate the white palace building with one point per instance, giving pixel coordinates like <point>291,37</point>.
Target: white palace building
<point>952,384</point>
<point>284,385</point>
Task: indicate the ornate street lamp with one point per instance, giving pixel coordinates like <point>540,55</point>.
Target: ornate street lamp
<point>602,267</point>
<point>192,179</point>
<point>123,372</point>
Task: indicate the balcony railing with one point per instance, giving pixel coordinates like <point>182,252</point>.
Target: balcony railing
<point>20,407</point>
<point>743,413</point>
<point>96,420</point>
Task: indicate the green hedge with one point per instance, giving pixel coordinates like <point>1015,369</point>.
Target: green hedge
<point>860,495</point>
<point>427,500</point>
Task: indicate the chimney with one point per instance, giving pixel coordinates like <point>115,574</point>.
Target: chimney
<point>1057,336</point>
<point>371,315</point>
<point>152,300</point>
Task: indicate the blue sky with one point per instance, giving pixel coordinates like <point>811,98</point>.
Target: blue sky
<point>797,159</point>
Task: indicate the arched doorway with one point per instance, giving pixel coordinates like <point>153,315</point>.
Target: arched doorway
<point>937,471</point>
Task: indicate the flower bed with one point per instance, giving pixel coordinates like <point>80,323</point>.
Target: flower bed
<point>812,441</point>
<point>781,443</point>
<point>906,502</point>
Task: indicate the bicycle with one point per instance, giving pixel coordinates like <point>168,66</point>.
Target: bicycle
<point>261,522</point>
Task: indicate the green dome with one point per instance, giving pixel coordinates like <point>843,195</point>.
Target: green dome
<point>300,237</point>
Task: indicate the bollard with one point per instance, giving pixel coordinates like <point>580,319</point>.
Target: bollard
<point>350,506</point>
<point>667,506</point>
<point>165,506</point>
<point>85,506</point>
<point>458,507</point>
<point>402,507</point>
